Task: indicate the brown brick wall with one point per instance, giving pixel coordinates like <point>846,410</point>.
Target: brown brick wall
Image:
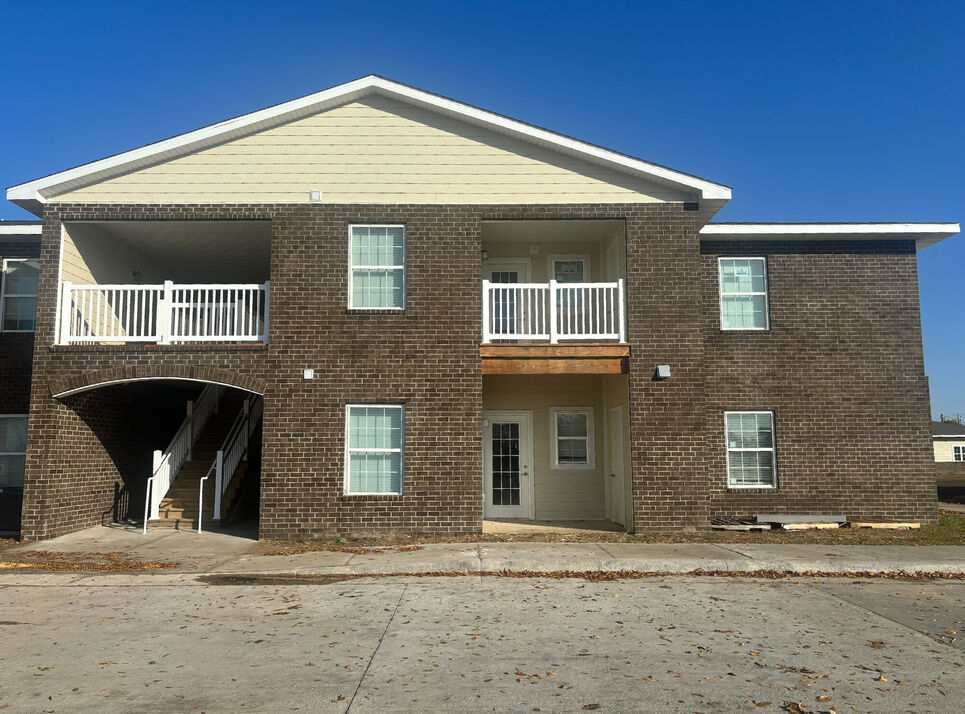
<point>841,368</point>
<point>427,358</point>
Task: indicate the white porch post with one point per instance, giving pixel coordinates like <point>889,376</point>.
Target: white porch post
<point>66,313</point>
<point>622,316</point>
<point>554,292</point>
<point>267,288</point>
<point>164,314</point>
<point>487,335</point>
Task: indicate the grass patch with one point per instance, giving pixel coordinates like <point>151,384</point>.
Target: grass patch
<point>949,530</point>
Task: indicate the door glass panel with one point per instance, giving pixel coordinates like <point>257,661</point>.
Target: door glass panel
<point>504,303</point>
<point>505,456</point>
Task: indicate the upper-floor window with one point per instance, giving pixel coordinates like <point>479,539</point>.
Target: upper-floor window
<point>572,441</point>
<point>959,453</point>
<point>750,450</point>
<point>18,295</point>
<point>569,268</point>
<point>374,447</point>
<point>743,294</point>
<point>13,451</point>
<point>376,267</point>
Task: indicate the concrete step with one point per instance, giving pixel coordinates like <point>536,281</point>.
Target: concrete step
<point>184,524</point>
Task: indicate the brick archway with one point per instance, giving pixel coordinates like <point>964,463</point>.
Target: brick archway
<point>66,386</point>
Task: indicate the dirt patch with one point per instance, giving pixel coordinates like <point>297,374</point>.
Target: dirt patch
<point>950,530</point>
<point>588,575</point>
<point>47,561</point>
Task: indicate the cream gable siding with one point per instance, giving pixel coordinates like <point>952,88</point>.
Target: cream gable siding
<point>945,448</point>
<point>376,150</point>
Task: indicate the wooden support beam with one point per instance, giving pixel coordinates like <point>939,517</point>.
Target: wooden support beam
<point>602,358</point>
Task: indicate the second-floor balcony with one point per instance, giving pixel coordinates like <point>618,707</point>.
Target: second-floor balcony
<point>167,313</point>
<point>554,312</point>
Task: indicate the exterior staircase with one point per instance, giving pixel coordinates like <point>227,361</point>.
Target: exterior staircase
<point>179,507</point>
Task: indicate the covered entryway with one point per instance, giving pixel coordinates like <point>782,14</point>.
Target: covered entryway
<point>178,453</point>
<point>555,449</point>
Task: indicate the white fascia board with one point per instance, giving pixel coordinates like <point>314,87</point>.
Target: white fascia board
<point>32,229</point>
<point>44,188</point>
<point>924,234</point>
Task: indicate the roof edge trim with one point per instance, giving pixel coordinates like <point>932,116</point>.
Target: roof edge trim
<point>45,188</point>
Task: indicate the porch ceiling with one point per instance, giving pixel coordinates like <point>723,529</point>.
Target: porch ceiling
<point>551,231</point>
<point>192,251</point>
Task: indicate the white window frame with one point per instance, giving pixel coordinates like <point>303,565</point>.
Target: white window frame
<point>590,438</point>
<point>16,416</point>
<point>551,267</point>
<point>4,296</point>
<point>347,481</point>
<point>352,268</point>
<point>721,294</point>
<point>958,452</point>
<point>773,449</point>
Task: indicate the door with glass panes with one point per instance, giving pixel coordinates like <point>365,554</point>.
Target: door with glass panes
<point>505,310</point>
<point>507,464</point>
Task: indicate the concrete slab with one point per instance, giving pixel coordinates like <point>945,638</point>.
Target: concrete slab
<point>676,557</point>
<point>317,561</point>
<point>855,558</point>
<point>194,552</point>
<point>546,557</point>
<point>435,557</point>
<point>514,525</point>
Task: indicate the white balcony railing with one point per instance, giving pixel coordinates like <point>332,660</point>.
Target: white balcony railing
<point>551,312</point>
<point>166,314</point>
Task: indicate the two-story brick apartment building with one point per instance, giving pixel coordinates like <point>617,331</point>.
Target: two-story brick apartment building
<point>385,309</point>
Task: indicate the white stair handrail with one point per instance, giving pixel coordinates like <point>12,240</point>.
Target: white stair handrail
<point>167,463</point>
<point>232,451</point>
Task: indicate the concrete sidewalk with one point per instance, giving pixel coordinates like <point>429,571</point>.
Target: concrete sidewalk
<point>221,553</point>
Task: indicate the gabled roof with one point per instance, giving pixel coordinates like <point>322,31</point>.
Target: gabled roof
<point>33,194</point>
<point>948,428</point>
<point>924,234</point>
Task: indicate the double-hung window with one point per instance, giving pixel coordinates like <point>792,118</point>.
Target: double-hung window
<point>743,294</point>
<point>13,451</point>
<point>18,295</point>
<point>573,438</point>
<point>750,450</point>
<point>959,453</point>
<point>377,267</point>
<point>374,448</point>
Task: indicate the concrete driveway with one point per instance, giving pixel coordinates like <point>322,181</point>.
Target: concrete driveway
<point>177,643</point>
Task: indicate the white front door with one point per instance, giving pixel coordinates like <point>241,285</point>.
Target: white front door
<point>617,475</point>
<point>507,464</point>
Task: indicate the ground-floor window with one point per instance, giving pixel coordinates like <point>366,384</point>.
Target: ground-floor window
<point>374,448</point>
<point>959,453</point>
<point>751,462</point>
<point>13,450</point>
<point>572,441</point>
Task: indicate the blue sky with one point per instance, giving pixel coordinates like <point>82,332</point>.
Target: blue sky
<point>812,111</point>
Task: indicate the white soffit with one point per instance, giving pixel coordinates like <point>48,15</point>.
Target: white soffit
<point>20,229</point>
<point>924,234</point>
<point>40,190</point>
